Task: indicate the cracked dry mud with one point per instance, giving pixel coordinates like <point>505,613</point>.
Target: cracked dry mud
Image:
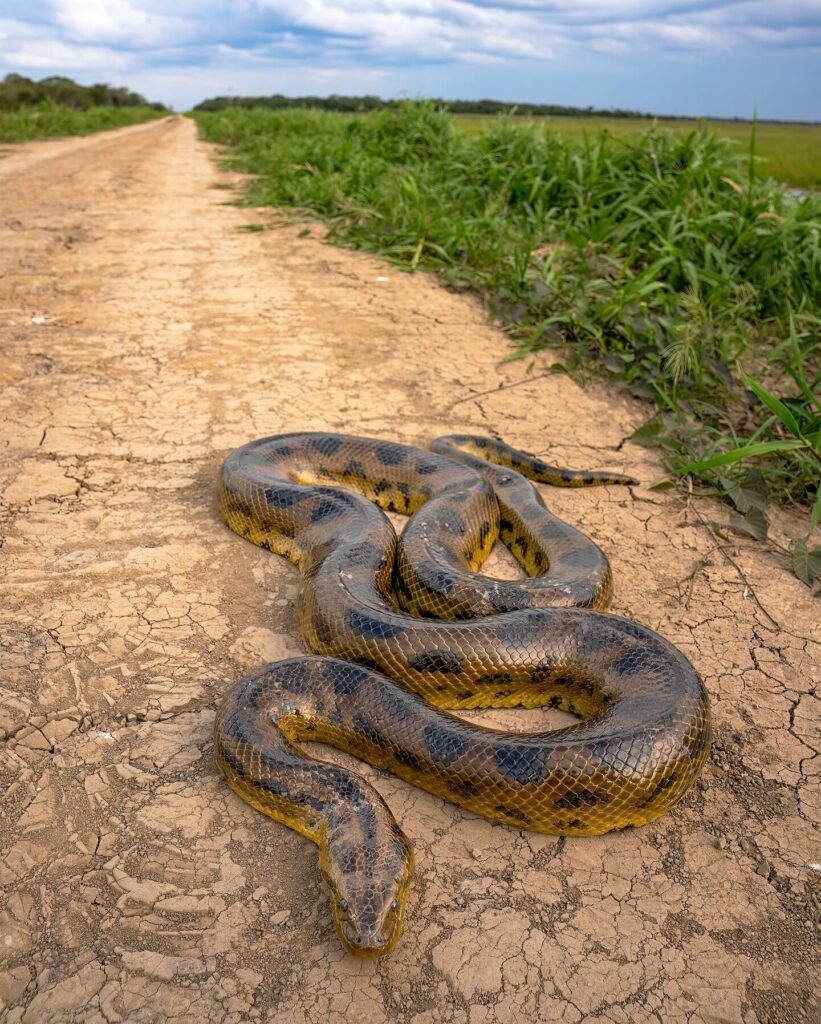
<point>144,336</point>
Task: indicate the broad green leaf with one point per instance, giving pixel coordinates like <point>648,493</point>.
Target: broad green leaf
<point>642,390</point>
<point>648,435</point>
<point>753,523</point>
<point>806,563</point>
<point>615,364</point>
<point>815,515</point>
<point>749,492</point>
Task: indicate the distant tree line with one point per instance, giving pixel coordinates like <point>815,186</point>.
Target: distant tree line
<point>18,91</point>
<point>354,104</point>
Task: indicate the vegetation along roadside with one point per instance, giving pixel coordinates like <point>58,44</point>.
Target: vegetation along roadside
<point>59,106</point>
<point>788,151</point>
<point>667,260</point>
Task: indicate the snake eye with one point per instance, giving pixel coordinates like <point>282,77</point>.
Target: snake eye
<point>343,904</point>
<point>394,905</point>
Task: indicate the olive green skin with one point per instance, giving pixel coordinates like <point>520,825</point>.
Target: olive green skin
<point>645,726</point>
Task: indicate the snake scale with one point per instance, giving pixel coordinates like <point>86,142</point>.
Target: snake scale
<point>402,629</point>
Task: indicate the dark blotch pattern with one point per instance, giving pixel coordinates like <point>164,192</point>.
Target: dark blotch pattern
<point>513,813</point>
<point>521,764</point>
<point>444,745</point>
<point>347,684</point>
<point>326,445</point>
<point>451,522</point>
<point>284,496</point>
<point>370,731</point>
<point>434,578</point>
<point>495,679</point>
<point>581,798</point>
<point>327,508</point>
<point>369,625</point>
<point>391,454</point>
<point>408,759</point>
<point>447,662</point>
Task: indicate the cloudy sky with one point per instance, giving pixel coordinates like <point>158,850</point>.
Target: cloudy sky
<point>718,57</point>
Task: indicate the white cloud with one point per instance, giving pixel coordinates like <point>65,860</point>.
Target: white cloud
<point>424,28</point>
<point>464,30</point>
<point>674,35</point>
<point>119,21</point>
<point>48,54</point>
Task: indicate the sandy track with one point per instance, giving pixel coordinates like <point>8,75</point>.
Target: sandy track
<point>143,337</point>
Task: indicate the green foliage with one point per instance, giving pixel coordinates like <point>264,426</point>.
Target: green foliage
<point>358,104</point>
<point>17,91</point>
<point>664,259</point>
<point>787,151</point>
<point>48,119</point>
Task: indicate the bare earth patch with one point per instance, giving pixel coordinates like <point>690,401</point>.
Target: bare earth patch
<point>143,337</point>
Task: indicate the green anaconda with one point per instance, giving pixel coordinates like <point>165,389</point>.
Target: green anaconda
<point>409,627</point>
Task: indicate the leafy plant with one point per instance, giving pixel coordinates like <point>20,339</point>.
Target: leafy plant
<point>47,120</point>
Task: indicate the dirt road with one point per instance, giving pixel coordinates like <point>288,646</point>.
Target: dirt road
<point>143,336</point>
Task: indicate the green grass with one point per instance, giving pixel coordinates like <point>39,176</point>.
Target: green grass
<point>663,259</point>
<point>49,120</point>
<point>788,152</point>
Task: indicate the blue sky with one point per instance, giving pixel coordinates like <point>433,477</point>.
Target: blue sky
<point>685,57</point>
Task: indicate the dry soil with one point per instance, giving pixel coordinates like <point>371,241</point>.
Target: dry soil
<point>144,336</point>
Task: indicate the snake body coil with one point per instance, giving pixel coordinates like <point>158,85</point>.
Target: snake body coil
<point>645,726</point>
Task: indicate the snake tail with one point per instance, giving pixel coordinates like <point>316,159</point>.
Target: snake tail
<point>476,451</point>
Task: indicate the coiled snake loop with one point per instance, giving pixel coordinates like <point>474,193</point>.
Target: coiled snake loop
<point>456,639</point>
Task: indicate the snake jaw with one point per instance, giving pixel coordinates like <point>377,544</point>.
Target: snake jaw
<point>369,931</point>
<point>370,944</point>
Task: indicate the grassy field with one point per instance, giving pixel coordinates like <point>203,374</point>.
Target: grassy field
<point>49,120</point>
<point>662,260</point>
<point>788,152</point>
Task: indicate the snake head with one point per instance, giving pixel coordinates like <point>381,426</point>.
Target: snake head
<point>368,885</point>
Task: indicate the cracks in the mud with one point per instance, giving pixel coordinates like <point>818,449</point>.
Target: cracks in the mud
<point>87,719</point>
<point>497,390</point>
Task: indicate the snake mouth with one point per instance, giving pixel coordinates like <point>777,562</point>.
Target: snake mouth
<point>368,942</point>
